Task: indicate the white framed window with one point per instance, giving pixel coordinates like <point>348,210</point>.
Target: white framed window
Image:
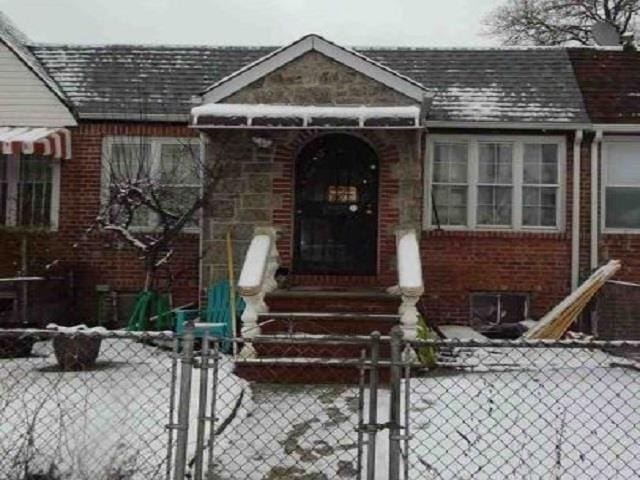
<point>171,166</point>
<point>29,191</point>
<point>488,182</point>
<point>621,185</point>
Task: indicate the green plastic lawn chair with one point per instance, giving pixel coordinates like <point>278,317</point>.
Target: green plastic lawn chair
<point>151,304</point>
<point>217,314</point>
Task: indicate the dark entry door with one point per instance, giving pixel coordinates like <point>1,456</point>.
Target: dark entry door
<point>336,216</point>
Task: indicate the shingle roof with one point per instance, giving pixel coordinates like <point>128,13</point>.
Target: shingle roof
<point>501,85</point>
<point>18,42</point>
<point>513,85</point>
<point>610,84</point>
<point>137,82</point>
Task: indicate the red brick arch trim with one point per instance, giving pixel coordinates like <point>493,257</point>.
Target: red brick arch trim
<point>288,146</point>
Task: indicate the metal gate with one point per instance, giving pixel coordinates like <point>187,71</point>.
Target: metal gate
<point>380,426</point>
<point>374,422</point>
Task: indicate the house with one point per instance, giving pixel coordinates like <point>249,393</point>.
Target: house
<point>516,167</point>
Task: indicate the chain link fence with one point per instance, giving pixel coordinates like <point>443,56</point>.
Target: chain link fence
<point>157,407</point>
<point>66,414</point>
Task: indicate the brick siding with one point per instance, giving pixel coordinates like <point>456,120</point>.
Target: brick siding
<point>97,258</point>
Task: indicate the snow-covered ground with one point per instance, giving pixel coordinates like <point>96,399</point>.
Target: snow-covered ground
<point>502,414</point>
<point>108,423</point>
<point>497,413</point>
<point>529,414</point>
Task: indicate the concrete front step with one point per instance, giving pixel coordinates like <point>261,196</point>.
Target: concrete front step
<point>327,323</point>
<point>315,349</point>
<point>283,357</point>
<point>300,370</point>
<point>370,301</point>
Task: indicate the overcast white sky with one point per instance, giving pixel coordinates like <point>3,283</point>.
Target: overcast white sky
<point>253,22</point>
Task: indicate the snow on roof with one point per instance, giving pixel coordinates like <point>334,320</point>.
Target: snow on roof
<point>247,115</point>
<point>155,82</point>
<point>487,103</point>
<point>360,115</point>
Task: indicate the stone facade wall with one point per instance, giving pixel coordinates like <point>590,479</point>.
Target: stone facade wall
<point>242,199</point>
<point>314,79</point>
<point>259,188</point>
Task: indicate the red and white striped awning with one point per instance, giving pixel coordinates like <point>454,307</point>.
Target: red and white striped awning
<point>42,140</point>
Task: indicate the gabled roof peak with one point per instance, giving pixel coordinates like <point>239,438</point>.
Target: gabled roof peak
<point>314,42</point>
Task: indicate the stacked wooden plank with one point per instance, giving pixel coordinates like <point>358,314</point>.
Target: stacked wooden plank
<point>555,324</point>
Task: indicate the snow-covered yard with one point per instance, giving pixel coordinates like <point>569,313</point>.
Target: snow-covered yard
<point>496,413</point>
<point>503,414</point>
<point>529,414</point>
<point>107,423</point>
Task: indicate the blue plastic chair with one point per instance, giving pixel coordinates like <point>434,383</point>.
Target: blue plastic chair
<point>217,314</point>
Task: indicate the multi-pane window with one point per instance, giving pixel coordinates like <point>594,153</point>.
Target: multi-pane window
<point>179,176</point>
<point>28,190</point>
<point>450,172</point>
<point>540,185</point>
<point>622,185</point>
<point>500,182</point>
<point>165,166</point>
<point>495,184</point>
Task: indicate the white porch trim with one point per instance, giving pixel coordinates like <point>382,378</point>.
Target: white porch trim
<point>225,115</point>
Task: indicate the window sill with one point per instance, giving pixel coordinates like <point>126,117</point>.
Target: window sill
<point>142,231</point>
<point>621,231</point>
<point>503,233</point>
<point>27,230</point>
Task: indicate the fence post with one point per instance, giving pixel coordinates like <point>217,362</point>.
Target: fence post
<point>373,406</point>
<point>361,381</point>
<point>202,406</point>
<point>214,396</point>
<point>172,404</point>
<point>184,399</point>
<point>395,404</point>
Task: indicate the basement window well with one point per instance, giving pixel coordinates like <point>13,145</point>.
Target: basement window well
<point>498,308</point>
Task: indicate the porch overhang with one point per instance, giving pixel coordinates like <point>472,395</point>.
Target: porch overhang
<point>259,116</point>
<point>55,142</point>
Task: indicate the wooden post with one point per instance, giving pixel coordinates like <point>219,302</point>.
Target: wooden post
<point>24,286</point>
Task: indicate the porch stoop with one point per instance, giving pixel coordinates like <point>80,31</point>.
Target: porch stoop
<point>312,314</point>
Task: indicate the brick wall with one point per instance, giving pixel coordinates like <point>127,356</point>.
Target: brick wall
<point>618,312</point>
<point>457,263</point>
<point>97,258</point>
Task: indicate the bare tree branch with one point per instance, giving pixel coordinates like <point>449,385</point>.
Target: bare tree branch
<point>559,22</point>
<point>154,195</point>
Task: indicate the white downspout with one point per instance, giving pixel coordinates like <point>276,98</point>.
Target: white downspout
<point>595,169</point>
<point>575,213</point>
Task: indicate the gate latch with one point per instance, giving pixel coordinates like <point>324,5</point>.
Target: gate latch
<point>377,427</point>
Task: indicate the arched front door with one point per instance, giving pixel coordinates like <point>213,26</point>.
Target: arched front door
<point>336,208</point>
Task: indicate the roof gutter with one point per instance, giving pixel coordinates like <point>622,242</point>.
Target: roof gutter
<point>509,125</point>
<point>616,128</point>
